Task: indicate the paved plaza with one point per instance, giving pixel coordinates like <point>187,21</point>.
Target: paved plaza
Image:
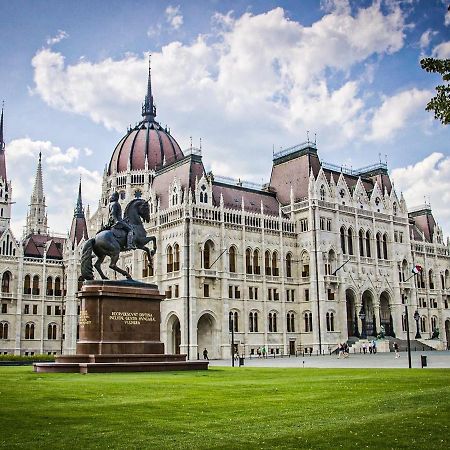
<point>435,360</point>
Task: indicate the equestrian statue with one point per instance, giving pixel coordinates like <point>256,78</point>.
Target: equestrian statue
<point>119,235</point>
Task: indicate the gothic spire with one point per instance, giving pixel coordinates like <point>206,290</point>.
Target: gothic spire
<point>148,108</point>
<point>38,190</point>
<point>79,210</point>
<point>2,150</point>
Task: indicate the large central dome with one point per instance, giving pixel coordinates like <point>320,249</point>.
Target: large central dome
<point>148,141</point>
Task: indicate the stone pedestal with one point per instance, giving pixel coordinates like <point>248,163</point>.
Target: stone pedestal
<point>119,332</point>
<point>119,318</point>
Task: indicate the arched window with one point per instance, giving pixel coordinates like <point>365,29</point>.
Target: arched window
<point>248,261</point>
<point>305,264</point>
<point>368,252</point>
<point>290,322</point>
<point>169,259</point>
<point>350,241</point>
<point>442,281</point>
<point>330,321</point>
<point>322,192</point>
<point>51,331</point>
<point>378,245</point>
<point>6,282</point>
<point>273,322</point>
<point>29,330</point>
<point>4,326</point>
<point>58,287</point>
<point>431,279</point>
<point>49,289</point>
<point>207,254</point>
<point>233,321</point>
<point>433,323</point>
<point>232,259</point>
<point>253,322</point>
<point>361,242</point>
<point>27,285</point>
<point>308,322</point>
<point>35,290</point>
<point>342,233</point>
<point>423,324</point>
<point>267,263</point>
<point>176,258</point>
<point>256,266</point>
<point>385,251</point>
<point>275,269</point>
<point>289,265</point>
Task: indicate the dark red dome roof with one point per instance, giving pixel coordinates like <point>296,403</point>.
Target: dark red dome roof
<point>147,139</point>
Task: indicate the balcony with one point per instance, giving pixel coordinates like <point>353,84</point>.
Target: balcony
<point>331,279</point>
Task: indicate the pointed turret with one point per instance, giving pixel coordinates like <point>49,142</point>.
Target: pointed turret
<point>149,108</point>
<point>37,217</point>
<point>78,229</point>
<point>2,151</point>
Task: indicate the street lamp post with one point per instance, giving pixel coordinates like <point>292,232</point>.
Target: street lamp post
<point>407,331</point>
<point>417,318</point>
<point>232,340</point>
<point>362,316</point>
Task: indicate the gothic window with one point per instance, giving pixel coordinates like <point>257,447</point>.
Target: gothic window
<point>267,258</point>
<point>232,259</point>
<point>203,194</point>
<point>350,241</point>
<point>51,331</point>
<point>174,197</point>
<point>322,192</point>
<point>169,259</point>
<point>253,322</point>
<point>330,321</point>
<point>378,245</point>
<point>308,322</point>
<point>49,290</point>
<point>430,279</point>
<point>58,286</point>
<point>35,285</point>
<point>305,264</point>
<point>6,281</point>
<point>275,269</point>
<point>342,193</point>
<point>368,253</point>
<point>289,265</point>
<point>207,254</point>
<point>361,242</point>
<point>394,209</point>
<point>27,285</point>
<point>233,321</point>
<point>256,266</point>
<point>176,257</point>
<point>342,233</point>
<point>4,330</point>
<point>423,324</point>
<point>248,261</point>
<point>29,331</point>
<point>385,252</point>
<point>290,322</point>
<point>273,322</point>
<point>433,323</point>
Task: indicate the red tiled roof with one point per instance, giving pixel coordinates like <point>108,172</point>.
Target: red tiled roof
<point>78,230</point>
<point>36,244</point>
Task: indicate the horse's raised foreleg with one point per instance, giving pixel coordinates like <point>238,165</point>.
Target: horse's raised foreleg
<point>98,266</point>
<point>113,266</point>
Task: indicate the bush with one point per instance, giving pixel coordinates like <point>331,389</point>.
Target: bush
<point>34,358</point>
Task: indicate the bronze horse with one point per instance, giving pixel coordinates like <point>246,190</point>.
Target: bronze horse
<point>112,242</point>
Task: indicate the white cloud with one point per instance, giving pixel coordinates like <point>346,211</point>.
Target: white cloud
<point>425,39</point>
<point>58,38</point>
<point>395,111</point>
<point>61,172</point>
<point>256,69</point>
<point>442,51</point>
<point>174,17</point>
<point>431,178</point>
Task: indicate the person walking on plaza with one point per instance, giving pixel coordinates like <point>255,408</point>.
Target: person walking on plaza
<point>205,354</point>
<point>397,354</point>
<point>364,347</point>
<point>374,347</point>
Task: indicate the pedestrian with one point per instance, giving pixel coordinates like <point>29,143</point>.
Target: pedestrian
<point>364,347</point>
<point>264,352</point>
<point>341,350</point>
<point>258,352</point>
<point>370,348</point>
<point>205,354</point>
<point>397,354</point>
<point>374,347</point>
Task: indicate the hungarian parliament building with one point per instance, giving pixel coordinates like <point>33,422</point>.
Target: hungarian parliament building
<point>318,256</point>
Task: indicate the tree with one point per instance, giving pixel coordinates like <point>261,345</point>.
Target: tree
<point>440,103</point>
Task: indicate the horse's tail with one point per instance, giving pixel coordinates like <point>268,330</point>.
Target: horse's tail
<point>87,270</point>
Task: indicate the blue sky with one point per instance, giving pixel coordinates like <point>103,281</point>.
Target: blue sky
<point>244,77</point>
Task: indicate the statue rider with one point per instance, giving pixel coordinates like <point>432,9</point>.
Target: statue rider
<point>116,221</point>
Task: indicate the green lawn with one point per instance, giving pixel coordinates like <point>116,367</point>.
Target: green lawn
<point>226,408</point>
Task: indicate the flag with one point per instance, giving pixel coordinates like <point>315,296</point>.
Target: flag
<point>417,269</point>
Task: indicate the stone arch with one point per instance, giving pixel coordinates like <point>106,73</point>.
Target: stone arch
<point>208,334</point>
<point>368,323</point>
<point>173,328</point>
<point>385,314</point>
<point>352,322</point>
<point>447,333</point>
